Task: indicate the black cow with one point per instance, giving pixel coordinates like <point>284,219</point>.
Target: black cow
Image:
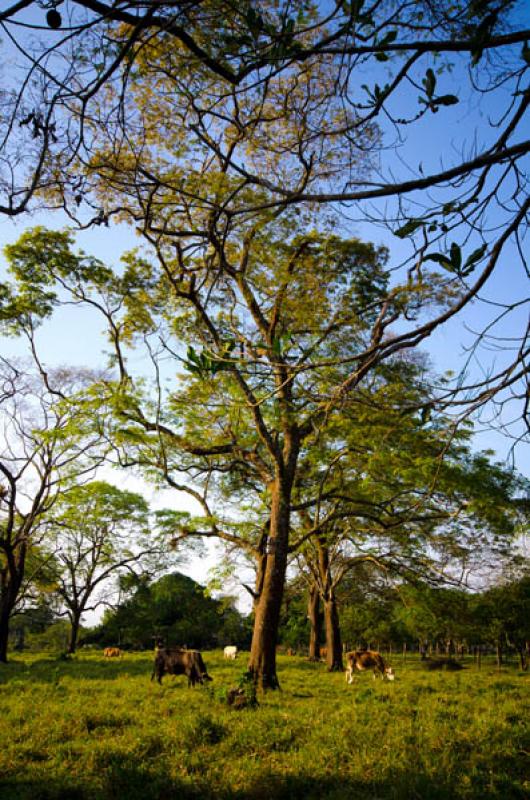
<point>176,661</point>
<point>447,664</point>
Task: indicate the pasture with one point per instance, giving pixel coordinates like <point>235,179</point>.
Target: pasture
<point>96,729</point>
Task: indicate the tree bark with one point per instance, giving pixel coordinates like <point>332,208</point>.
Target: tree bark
<point>4,632</point>
<point>11,581</point>
<point>262,663</point>
<point>498,653</point>
<point>315,622</point>
<point>333,638</point>
<point>75,621</point>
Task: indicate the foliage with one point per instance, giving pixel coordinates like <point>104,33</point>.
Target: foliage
<point>176,609</point>
<point>191,121</point>
<point>49,444</point>
<point>502,613</point>
<point>220,133</point>
<point>99,533</point>
<point>378,613</point>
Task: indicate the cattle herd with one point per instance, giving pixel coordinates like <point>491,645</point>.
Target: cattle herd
<point>181,661</point>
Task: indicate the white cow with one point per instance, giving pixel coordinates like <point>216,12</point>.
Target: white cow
<point>230,651</point>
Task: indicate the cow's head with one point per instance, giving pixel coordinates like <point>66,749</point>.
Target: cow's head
<point>389,672</point>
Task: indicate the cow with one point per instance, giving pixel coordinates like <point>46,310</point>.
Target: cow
<point>230,651</point>
<point>367,659</point>
<point>176,661</point>
<point>447,664</point>
<point>112,652</point>
<point>323,653</point>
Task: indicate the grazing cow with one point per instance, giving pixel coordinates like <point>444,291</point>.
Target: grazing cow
<point>447,664</point>
<point>291,652</point>
<point>112,652</point>
<point>230,651</point>
<point>175,661</point>
<point>367,659</point>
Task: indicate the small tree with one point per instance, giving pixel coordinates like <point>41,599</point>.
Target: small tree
<point>99,533</point>
<point>48,444</point>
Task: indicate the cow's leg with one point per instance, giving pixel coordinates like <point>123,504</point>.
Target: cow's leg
<point>349,675</point>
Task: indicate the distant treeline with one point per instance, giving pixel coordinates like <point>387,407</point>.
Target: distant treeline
<point>376,615</point>
<point>420,617</point>
<point>174,608</point>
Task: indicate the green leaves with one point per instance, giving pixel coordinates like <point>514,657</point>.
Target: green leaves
<point>205,363</point>
<point>409,228</point>
<point>432,102</point>
<point>482,35</point>
<point>429,82</point>
<point>377,94</point>
<point>387,39</point>
<point>453,261</point>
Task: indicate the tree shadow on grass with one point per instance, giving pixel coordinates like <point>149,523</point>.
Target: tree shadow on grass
<point>49,670</point>
<point>123,781</point>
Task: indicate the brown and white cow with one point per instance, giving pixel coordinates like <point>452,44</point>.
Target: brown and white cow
<point>176,661</point>
<point>367,659</point>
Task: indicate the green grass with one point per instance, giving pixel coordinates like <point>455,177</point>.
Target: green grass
<point>92,729</point>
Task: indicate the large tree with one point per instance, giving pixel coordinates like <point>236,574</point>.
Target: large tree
<point>176,609</point>
<point>268,353</point>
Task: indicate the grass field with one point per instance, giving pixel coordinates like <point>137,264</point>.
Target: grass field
<point>99,729</point>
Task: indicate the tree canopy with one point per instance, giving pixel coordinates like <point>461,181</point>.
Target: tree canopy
<point>189,120</point>
<point>176,609</point>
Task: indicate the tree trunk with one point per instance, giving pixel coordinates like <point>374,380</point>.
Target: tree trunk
<point>261,565</point>
<point>74,632</point>
<point>262,664</point>
<point>4,632</point>
<point>11,580</point>
<point>315,621</point>
<point>498,652</point>
<point>333,639</point>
